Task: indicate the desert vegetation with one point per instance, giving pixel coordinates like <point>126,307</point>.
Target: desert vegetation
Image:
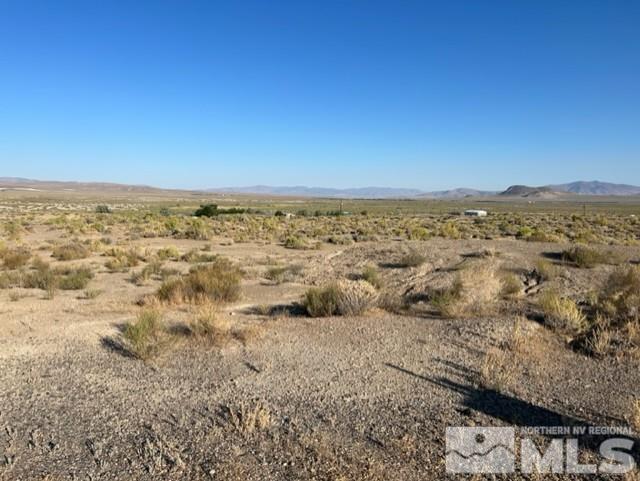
<point>235,324</point>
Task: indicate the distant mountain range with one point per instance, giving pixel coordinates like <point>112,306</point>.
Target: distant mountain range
<point>459,193</point>
<point>303,191</point>
<point>548,191</point>
<point>558,191</point>
<point>577,188</point>
<point>597,188</point>
<point>18,183</point>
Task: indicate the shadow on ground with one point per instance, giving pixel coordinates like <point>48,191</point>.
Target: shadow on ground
<point>514,411</point>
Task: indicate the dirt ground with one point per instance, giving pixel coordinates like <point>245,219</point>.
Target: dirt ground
<point>340,398</point>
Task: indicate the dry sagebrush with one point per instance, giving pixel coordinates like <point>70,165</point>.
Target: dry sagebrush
<point>474,291</point>
<point>343,298</point>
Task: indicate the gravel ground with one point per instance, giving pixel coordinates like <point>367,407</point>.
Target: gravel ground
<point>337,399</point>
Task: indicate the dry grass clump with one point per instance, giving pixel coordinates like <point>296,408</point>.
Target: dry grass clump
<point>208,328</point>
<point>355,297</point>
<point>195,256</point>
<point>546,270</point>
<point>342,298</point>
<point>541,236</point>
<point>152,269</point>
<point>620,296</point>
<point>92,294</point>
<point>74,278</point>
<point>295,242</point>
<point>47,279</point>
<point>393,302</point>
<point>497,371</point>
<point>511,286</point>
<point>586,257</point>
<point>633,475</point>
<point>249,417</point>
<point>412,259</point>
<point>217,282</point>
<point>167,253</point>
<point>562,313</point>
<point>70,252</point>
<point>122,260</point>
<point>371,275</point>
<point>15,258</point>
<point>518,339</point>
<point>635,414</point>
<point>598,342</point>
<point>147,337</point>
<point>281,274</point>
<point>617,307</point>
<point>322,302</point>
<point>474,291</point>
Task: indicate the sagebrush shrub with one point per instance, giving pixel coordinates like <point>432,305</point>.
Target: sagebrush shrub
<point>208,327</point>
<point>343,298</point>
<point>585,257</point>
<point>561,312</point>
<point>620,295</point>
<point>16,258</point>
<point>146,336</point>
<point>474,291</point>
<point>73,279</point>
<point>546,270</point>
<point>412,259</point>
<point>355,297</point>
<point>511,285</point>
<point>70,252</point>
<point>372,276</point>
<point>218,282</point>
<point>322,302</point>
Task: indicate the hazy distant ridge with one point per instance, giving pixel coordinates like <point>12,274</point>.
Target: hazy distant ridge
<point>303,191</point>
<point>580,187</point>
<point>596,188</point>
<point>459,193</point>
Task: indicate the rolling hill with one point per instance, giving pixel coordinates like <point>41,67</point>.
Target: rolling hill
<point>596,187</point>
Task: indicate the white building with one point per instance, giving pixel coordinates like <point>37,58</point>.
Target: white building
<point>475,213</point>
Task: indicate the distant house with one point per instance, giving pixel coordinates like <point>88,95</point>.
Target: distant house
<point>475,213</point>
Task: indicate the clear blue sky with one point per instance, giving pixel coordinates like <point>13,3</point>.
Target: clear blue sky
<point>326,93</point>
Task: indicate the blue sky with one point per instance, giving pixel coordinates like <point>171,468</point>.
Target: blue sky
<point>416,94</point>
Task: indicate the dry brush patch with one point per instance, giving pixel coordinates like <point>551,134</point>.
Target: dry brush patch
<point>71,251</point>
<point>562,313</point>
<point>147,337</point>
<point>216,282</point>
<point>282,274</point>
<point>15,258</point>
<point>343,298</point>
<point>546,270</point>
<point>209,328</point>
<point>412,259</point>
<point>248,417</point>
<point>371,275</point>
<point>635,414</point>
<point>619,298</point>
<point>512,286</point>
<point>122,259</point>
<point>588,257</point>
<point>474,292</point>
<point>497,371</point>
